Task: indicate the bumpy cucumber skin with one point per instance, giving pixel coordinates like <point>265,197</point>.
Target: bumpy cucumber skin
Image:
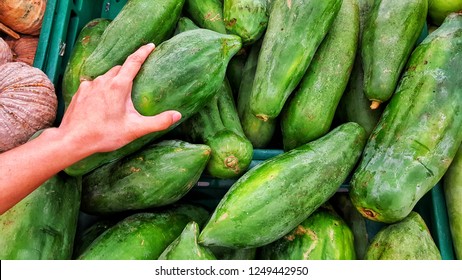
<point>274,197</point>
<point>453,194</point>
<point>143,236</point>
<point>354,106</point>
<point>419,132</point>
<point>408,239</point>
<point>206,14</point>
<point>259,132</point>
<point>246,18</point>
<point>309,113</point>
<point>186,247</point>
<point>162,85</point>
<point>324,235</point>
<point>85,44</point>
<point>155,176</point>
<point>388,38</point>
<point>129,31</point>
<point>295,30</point>
<point>43,225</point>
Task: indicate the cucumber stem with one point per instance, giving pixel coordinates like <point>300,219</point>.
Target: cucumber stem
<point>375,104</point>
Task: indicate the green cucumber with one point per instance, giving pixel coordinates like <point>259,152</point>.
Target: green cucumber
<point>43,225</point>
<point>453,194</point>
<point>246,18</point>
<point>354,106</point>
<point>408,239</point>
<point>295,30</point>
<point>271,199</point>
<point>388,38</point>
<point>185,247</point>
<point>218,126</point>
<point>161,85</point>
<point>259,132</point>
<point>206,14</point>
<point>85,44</point>
<point>309,113</point>
<point>157,175</point>
<point>143,236</point>
<point>324,235</point>
<point>129,31</point>
<point>419,132</point>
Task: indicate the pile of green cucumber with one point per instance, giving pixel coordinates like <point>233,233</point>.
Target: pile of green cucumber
<point>349,91</point>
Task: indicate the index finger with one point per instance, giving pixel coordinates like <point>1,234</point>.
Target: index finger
<point>134,61</point>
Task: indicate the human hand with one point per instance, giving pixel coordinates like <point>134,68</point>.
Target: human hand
<point>101,116</point>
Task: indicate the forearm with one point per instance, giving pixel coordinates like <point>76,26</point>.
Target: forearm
<point>26,167</point>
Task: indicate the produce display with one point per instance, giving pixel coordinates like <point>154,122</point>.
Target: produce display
<point>361,117</point>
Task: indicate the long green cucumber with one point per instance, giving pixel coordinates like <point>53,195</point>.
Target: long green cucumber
<point>324,235</point>
<point>139,22</point>
<point>389,36</point>
<point>309,113</point>
<point>206,14</point>
<point>143,236</point>
<point>354,106</point>
<point>419,132</point>
<point>295,30</point>
<point>157,175</point>
<point>43,225</point>
<point>246,18</point>
<point>162,85</point>
<point>271,199</point>
<point>85,44</point>
<point>453,194</point>
<point>186,247</point>
<point>218,126</point>
<point>259,132</point>
<point>408,239</point>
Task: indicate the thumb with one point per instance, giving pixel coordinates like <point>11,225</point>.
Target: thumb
<point>160,121</point>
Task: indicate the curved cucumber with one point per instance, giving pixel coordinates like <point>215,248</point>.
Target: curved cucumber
<point>129,31</point>
<point>161,85</point>
<point>309,113</point>
<point>155,176</point>
<point>453,194</point>
<point>85,44</point>
<point>246,18</point>
<point>354,106</point>
<point>259,132</point>
<point>295,30</point>
<point>419,132</point>
<point>185,247</point>
<point>43,225</point>
<point>324,235</point>
<point>389,36</point>
<point>271,199</point>
<point>408,239</point>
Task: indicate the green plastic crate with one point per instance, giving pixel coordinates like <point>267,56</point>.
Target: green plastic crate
<point>62,23</point>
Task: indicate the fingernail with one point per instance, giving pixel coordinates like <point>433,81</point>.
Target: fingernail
<point>151,45</point>
<point>176,117</point>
